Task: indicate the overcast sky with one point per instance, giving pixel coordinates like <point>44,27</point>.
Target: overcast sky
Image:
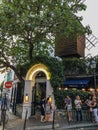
<point>90,17</point>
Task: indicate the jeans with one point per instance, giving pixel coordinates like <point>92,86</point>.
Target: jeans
<point>95,110</point>
<point>78,114</point>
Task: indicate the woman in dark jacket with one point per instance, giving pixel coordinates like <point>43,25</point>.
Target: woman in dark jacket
<point>42,109</point>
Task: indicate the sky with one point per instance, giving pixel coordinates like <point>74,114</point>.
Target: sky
<point>1,77</point>
<point>90,17</point>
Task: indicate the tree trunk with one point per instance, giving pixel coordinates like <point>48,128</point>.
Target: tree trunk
<point>17,74</point>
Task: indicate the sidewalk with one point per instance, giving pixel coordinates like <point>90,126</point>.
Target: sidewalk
<point>34,124</point>
<point>11,118</point>
<point>16,123</point>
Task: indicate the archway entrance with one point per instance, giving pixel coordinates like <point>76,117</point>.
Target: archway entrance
<point>37,81</point>
<point>38,91</point>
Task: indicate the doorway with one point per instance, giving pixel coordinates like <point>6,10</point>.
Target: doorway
<point>38,90</point>
<point>37,75</point>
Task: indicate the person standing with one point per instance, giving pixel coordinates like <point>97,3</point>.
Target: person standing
<point>42,109</point>
<point>4,106</point>
<point>48,110</point>
<point>4,102</point>
<point>88,102</point>
<point>93,94</point>
<point>0,112</point>
<point>95,109</point>
<point>78,107</point>
<point>68,103</point>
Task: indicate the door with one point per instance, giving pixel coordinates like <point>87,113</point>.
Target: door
<point>38,91</point>
<point>33,104</point>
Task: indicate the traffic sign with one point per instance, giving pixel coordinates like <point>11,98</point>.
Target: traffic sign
<point>8,84</point>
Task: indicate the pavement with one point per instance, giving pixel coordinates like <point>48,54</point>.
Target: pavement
<point>16,123</point>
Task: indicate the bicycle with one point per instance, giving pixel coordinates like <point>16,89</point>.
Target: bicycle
<point>4,116</point>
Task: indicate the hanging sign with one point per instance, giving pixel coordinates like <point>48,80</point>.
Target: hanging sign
<point>8,84</point>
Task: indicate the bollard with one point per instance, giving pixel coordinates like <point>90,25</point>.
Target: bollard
<point>3,116</point>
<point>25,120</point>
<point>53,120</point>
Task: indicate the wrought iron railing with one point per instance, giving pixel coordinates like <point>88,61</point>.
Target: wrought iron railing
<point>86,115</point>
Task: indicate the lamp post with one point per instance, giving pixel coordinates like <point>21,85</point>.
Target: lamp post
<point>93,66</point>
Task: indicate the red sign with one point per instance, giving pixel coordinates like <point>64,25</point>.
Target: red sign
<point>8,84</point>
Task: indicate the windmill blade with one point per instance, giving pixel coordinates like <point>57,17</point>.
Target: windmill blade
<point>78,1</point>
<point>91,41</point>
<point>81,1</point>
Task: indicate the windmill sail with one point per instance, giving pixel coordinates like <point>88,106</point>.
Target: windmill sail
<point>91,41</point>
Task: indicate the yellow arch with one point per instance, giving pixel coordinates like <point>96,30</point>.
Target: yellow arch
<point>34,70</point>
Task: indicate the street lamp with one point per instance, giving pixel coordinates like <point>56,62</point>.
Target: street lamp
<point>93,66</point>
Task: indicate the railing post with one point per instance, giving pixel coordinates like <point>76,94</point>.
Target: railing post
<point>3,116</point>
<point>25,120</point>
<point>53,119</point>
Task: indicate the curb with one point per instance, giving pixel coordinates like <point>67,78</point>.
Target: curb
<point>79,126</point>
<point>42,127</point>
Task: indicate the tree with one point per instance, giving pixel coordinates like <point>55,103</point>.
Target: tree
<point>29,28</point>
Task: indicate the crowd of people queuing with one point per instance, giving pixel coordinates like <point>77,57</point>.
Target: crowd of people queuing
<point>91,103</point>
<point>45,109</point>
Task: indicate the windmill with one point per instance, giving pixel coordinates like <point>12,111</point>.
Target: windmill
<point>67,48</point>
<point>91,40</point>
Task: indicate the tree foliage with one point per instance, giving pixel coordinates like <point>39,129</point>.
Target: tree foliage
<point>29,28</point>
<point>76,66</point>
<point>55,67</point>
